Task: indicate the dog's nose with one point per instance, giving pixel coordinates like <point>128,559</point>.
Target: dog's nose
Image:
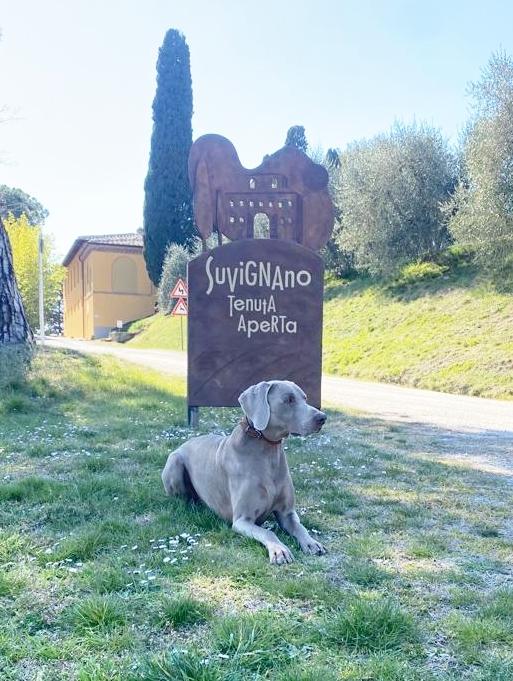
<point>321,418</point>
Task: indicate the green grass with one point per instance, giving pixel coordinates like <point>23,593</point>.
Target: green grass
<point>183,666</point>
<point>103,577</point>
<point>441,326</point>
<point>256,643</point>
<point>431,327</point>
<point>97,612</point>
<point>473,634</point>
<point>160,331</point>
<point>14,362</point>
<point>184,611</point>
<point>370,625</point>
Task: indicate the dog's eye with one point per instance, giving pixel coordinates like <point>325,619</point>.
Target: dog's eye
<point>290,399</point>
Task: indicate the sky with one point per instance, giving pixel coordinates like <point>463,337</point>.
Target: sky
<point>77,80</point>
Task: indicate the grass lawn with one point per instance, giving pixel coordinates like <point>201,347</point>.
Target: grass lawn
<point>441,327</point>
<point>104,578</point>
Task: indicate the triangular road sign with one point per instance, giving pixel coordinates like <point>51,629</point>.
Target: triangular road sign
<point>179,290</point>
<point>180,308</point>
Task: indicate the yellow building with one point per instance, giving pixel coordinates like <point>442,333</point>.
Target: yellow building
<point>106,281</point>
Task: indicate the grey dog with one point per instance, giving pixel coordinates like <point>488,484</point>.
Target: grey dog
<point>244,477</point>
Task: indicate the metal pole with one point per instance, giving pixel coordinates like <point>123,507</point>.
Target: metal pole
<point>41,290</point>
<point>181,330</point>
<point>193,416</point>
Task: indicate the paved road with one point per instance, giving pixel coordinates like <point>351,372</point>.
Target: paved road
<point>389,402</point>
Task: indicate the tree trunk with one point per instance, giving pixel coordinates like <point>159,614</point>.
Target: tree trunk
<point>14,327</point>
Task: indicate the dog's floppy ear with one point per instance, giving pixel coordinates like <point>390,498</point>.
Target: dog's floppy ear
<point>255,405</point>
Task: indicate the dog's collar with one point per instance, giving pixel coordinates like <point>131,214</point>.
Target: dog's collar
<point>250,430</point>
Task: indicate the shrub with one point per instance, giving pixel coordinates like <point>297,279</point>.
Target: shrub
<point>174,267</point>
<point>420,271</point>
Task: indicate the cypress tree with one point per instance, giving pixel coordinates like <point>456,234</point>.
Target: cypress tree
<point>168,216</point>
<point>296,137</point>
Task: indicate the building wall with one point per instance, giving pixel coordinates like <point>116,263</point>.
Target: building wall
<point>108,308</point>
<point>116,287</point>
<point>73,300</point>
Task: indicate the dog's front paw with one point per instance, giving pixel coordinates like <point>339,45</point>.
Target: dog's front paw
<point>279,554</point>
<point>313,547</point>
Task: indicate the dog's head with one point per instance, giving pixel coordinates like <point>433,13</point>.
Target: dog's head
<point>280,408</point>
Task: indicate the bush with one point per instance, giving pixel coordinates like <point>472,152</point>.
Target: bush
<point>337,261</point>
<point>457,256</point>
<point>420,271</point>
<point>175,267</point>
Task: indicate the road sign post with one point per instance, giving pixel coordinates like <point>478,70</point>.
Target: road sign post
<point>180,309</point>
<point>179,289</point>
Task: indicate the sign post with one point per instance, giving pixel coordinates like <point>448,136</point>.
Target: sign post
<point>180,309</point>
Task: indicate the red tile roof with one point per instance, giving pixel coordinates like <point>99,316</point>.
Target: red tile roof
<point>133,239</point>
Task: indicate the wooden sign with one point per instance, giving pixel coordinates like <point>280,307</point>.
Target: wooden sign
<point>180,309</point>
<point>179,289</point>
<point>255,313</point>
<point>255,305</point>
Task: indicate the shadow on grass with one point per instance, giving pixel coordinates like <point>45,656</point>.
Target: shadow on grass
<point>493,443</point>
<point>97,394</point>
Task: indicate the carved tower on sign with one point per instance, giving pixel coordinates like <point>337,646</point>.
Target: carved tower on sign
<point>255,304</point>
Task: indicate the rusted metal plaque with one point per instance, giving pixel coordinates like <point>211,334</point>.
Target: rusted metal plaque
<point>288,187</point>
<point>255,313</point>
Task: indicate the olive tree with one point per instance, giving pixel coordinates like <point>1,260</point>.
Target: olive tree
<point>482,207</point>
<point>388,193</point>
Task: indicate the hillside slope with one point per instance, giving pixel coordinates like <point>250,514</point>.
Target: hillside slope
<point>159,331</point>
<point>452,333</point>
<point>432,327</point>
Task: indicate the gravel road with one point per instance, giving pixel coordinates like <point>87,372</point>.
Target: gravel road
<point>385,401</point>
